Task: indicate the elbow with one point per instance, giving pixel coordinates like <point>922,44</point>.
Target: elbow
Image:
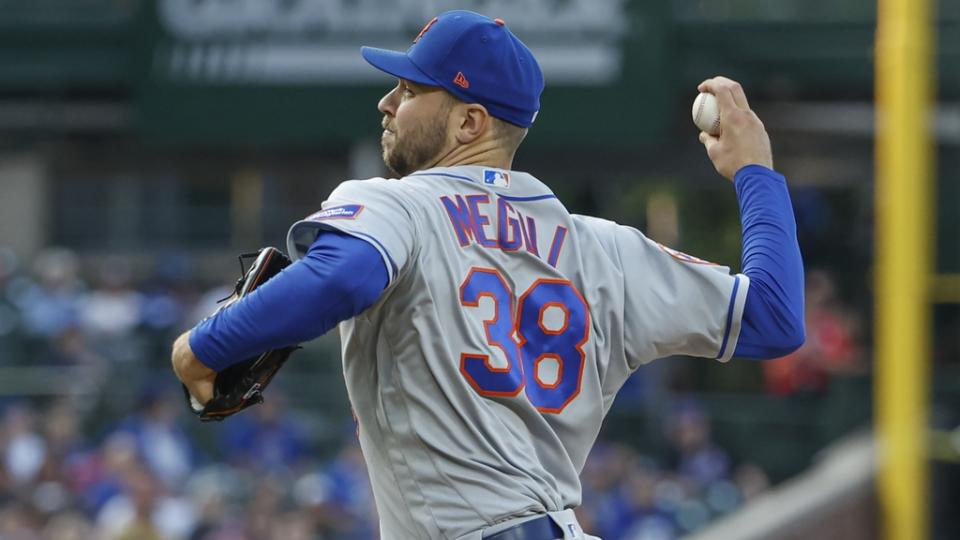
<point>774,342</point>
<point>776,322</point>
<point>792,337</point>
<point>794,329</point>
<point>801,334</point>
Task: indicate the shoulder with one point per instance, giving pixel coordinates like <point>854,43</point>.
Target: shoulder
<point>400,191</point>
<point>384,194</point>
<point>369,186</point>
<point>614,238</point>
<point>598,228</point>
<point>591,222</point>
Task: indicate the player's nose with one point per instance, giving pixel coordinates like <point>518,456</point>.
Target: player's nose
<point>388,103</point>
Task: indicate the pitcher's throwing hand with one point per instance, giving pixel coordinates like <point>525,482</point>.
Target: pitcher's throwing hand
<point>743,140</point>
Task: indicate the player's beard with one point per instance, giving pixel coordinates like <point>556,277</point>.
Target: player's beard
<point>416,148</point>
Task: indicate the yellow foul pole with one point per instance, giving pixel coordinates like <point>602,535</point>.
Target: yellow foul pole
<point>904,152</point>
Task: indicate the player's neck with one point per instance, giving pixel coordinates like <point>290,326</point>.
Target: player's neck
<point>483,153</point>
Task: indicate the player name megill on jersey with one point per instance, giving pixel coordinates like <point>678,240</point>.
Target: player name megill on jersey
<point>470,217</point>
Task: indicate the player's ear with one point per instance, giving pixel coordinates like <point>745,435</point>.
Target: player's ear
<point>473,121</point>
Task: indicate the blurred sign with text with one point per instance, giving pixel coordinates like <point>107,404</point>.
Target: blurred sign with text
<point>316,42</point>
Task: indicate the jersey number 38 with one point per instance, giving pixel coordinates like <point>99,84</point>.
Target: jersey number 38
<point>530,345</point>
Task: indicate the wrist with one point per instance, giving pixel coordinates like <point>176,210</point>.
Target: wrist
<point>756,170</point>
<point>186,364</point>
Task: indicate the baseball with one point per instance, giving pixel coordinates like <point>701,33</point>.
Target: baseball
<point>706,113</point>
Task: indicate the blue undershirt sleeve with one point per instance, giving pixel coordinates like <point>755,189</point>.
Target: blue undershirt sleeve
<point>773,324</point>
<point>339,277</point>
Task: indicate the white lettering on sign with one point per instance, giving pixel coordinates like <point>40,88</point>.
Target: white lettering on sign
<point>311,41</point>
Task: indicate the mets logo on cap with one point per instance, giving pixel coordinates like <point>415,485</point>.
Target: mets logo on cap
<point>494,177</point>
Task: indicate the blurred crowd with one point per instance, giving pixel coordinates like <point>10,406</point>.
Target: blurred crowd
<point>628,495</point>
<point>144,479</point>
<point>95,442</point>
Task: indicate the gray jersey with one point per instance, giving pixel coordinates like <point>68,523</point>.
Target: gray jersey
<point>481,376</point>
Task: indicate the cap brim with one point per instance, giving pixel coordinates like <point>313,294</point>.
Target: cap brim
<point>397,64</point>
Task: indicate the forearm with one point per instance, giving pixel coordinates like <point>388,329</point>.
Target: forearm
<point>340,276</point>
<point>773,323</point>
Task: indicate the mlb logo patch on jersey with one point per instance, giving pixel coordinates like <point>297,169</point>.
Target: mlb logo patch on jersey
<point>493,177</point>
<point>345,211</point>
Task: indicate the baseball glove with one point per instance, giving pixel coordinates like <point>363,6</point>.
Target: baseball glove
<point>241,385</point>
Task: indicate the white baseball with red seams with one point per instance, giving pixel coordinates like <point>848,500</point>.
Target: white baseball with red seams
<point>706,113</point>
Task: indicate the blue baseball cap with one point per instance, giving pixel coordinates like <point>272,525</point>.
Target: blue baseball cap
<point>475,58</point>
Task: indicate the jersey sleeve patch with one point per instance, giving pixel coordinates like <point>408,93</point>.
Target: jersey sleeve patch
<point>344,211</point>
<point>681,256</point>
<point>372,210</point>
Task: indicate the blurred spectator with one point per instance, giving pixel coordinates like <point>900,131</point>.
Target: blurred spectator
<point>292,526</point>
<point>113,307</point>
<point>25,451</point>
<point>61,427</point>
<point>268,438</point>
<point>88,369</point>
<point>603,509</point>
<point>832,345</point>
<point>67,526</point>
<point>161,442</point>
<point>168,295</point>
<point>98,476</point>
<point>71,347</point>
<point>751,481</point>
<point>142,512</point>
<point>18,522</point>
<point>699,461</point>
<point>211,489</point>
<point>267,504</point>
<point>50,305</point>
<point>647,519</point>
<point>51,493</point>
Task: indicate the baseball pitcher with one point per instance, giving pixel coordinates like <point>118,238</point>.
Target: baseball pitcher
<point>485,329</point>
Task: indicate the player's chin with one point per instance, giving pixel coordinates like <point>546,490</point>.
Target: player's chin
<point>399,164</point>
<point>390,162</point>
<point>387,141</point>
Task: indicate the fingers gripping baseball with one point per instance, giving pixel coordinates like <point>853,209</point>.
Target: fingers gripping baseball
<point>743,140</point>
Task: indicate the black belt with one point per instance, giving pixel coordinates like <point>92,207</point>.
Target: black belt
<point>541,528</point>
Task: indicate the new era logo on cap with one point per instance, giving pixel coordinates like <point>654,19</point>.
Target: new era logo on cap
<point>461,81</point>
